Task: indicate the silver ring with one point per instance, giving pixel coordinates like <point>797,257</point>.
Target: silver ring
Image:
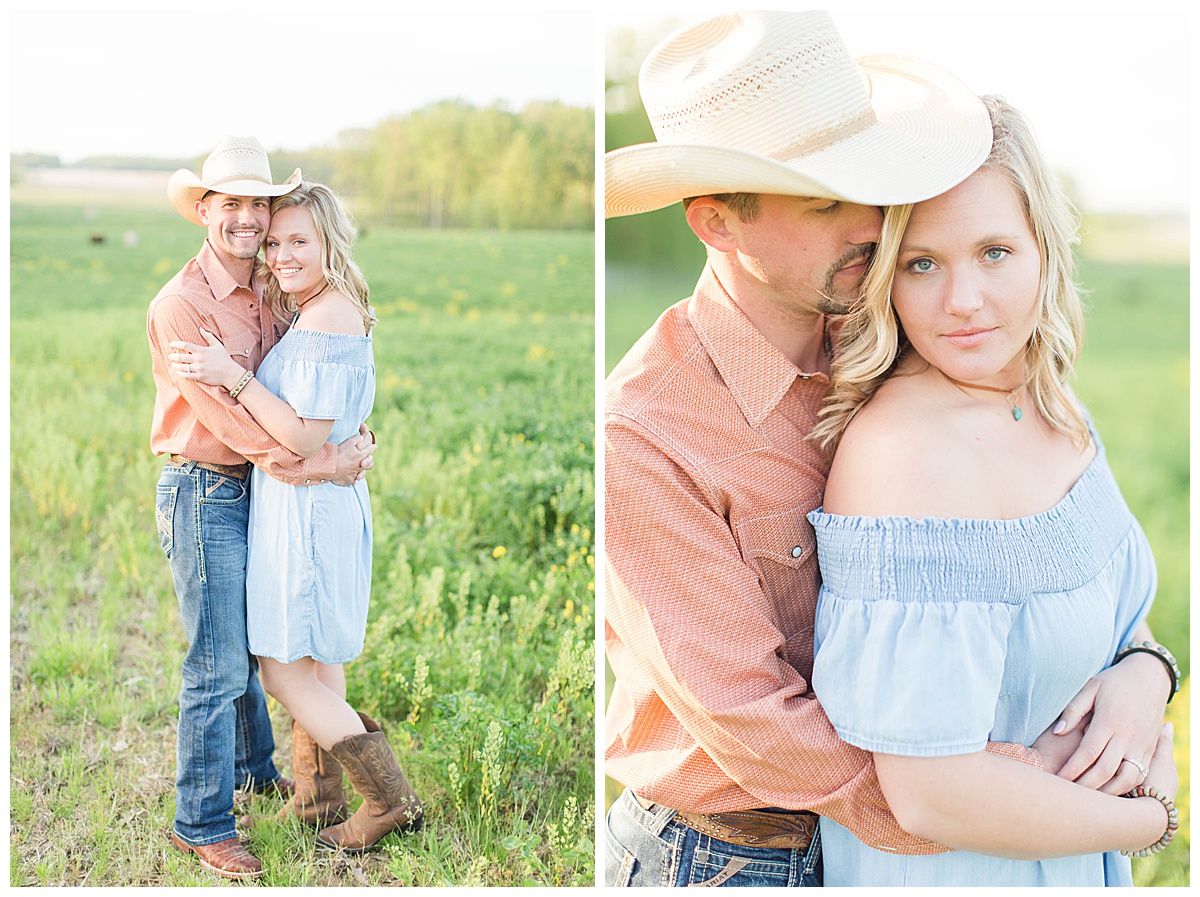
<point>1143,770</point>
<point>189,367</point>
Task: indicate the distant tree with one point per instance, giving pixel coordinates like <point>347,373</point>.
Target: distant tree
<point>34,160</point>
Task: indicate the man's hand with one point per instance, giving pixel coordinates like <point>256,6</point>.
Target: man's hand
<point>1163,775</point>
<point>354,458</point>
<point>1126,703</point>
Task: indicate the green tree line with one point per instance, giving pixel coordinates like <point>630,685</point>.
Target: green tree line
<point>454,165</point>
<point>447,165</point>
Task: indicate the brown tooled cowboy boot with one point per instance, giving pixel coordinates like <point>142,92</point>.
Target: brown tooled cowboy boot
<point>228,858</point>
<point>318,799</point>
<point>389,802</point>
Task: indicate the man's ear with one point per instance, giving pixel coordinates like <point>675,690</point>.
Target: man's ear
<point>202,211</point>
<point>714,223</point>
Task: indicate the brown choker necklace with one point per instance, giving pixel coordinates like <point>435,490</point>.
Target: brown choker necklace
<point>309,300</point>
<point>1017,413</point>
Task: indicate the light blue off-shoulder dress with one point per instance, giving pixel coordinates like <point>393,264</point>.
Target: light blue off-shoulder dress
<point>308,574</point>
<point>935,636</point>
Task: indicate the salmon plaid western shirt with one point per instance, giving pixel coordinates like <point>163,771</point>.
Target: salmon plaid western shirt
<point>711,579</point>
<point>201,422</point>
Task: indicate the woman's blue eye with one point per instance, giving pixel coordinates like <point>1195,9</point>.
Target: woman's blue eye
<point>921,266</point>
<point>995,253</point>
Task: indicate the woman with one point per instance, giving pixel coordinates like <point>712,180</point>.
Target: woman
<point>309,565</point>
<point>979,563</point>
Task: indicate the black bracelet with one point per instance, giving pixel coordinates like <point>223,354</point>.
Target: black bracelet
<point>1156,650</point>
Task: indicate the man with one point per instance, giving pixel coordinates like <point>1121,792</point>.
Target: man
<point>782,148</point>
<point>203,501</point>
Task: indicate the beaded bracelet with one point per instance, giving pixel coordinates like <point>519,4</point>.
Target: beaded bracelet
<point>1172,821</point>
<point>1155,650</point>
<point>246,378</point>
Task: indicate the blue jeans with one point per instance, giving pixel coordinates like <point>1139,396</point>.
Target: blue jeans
<point>225,738</point>
<point>645,848</point>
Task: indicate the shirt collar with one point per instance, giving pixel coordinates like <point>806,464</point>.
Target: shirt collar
<point>756,372</point>
<point>220,281</point>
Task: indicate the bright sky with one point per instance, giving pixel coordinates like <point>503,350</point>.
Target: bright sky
<point>170,78</point>
<point>1108,91</point>
<point>1107,88</point>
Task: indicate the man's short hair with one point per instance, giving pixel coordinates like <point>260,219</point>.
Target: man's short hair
<point>745,205</point>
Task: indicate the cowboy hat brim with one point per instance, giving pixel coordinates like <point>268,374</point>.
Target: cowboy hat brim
<point>930,134</point>
<point>184,190</point>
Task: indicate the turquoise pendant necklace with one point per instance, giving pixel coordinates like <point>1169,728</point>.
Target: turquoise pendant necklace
<point>1017,413</point>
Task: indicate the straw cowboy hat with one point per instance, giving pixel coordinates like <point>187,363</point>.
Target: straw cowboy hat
<point>237,167</point>
<point>771,102</point>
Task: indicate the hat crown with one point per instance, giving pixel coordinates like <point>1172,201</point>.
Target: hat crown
<point>236,159</point>
<point>771,83</point>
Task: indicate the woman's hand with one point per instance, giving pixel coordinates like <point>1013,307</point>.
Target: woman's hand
<point>1126,702</point>
<point>209,364</point>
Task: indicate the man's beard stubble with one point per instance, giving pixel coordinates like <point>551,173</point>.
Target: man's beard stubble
<point>240,251</point>
<point>830,301</point>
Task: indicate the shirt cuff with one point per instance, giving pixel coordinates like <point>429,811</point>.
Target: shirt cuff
<point>1016,752</point>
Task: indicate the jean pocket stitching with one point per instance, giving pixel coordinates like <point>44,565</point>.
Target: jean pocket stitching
<point>624,874</point>
<point>732,867</point>
<point>164,514</point>
<point>215,482</point>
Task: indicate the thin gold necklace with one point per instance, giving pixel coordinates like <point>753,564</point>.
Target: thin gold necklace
<point>1017,413</point>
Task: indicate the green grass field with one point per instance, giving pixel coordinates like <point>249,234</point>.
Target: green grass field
<point>479,657</point>
<point>1133,376</point>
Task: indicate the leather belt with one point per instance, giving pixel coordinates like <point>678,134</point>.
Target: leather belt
<point>236,471</point>
<point>791,830</point>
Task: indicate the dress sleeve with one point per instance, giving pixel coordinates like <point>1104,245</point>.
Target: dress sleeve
<point>319,390</point>
<point>911,633</point>
<point>1138,586</point>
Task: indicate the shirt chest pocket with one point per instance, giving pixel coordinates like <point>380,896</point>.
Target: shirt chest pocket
<point>781,547</point>
<point>243,347</point>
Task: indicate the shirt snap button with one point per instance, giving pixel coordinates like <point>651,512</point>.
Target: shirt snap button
<point>797,551</point>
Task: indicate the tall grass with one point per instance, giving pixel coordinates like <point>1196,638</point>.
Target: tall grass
<point>479,648</point>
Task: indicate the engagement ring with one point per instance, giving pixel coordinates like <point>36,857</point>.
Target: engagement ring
<point>1143,770</point>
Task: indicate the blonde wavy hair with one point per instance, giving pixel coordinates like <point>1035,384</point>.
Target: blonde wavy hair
<point>872,340</point>
<point>336,230</point>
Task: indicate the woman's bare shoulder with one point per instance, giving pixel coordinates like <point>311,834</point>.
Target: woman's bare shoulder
<point>334,314</point>
<point>898,456</point>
